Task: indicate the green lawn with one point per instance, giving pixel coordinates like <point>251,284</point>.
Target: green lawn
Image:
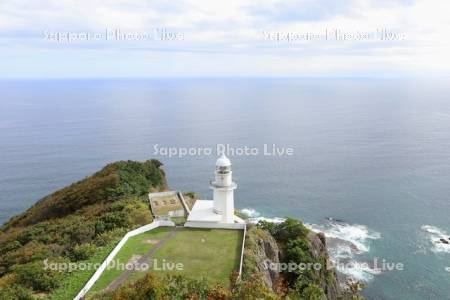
<point>204,253</point>
<point>209,253</point>
<point>135,245</point>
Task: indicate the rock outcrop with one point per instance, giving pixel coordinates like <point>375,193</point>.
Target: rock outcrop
<point>328,277</point>
<point>261,252</point>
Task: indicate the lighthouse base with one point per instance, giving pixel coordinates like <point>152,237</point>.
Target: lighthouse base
<point>203,216</point>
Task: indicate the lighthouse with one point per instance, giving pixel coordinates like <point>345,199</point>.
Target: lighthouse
<point>219,212</point>
<point>223,187</point>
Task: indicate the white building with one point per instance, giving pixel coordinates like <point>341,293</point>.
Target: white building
<point>219,212</point>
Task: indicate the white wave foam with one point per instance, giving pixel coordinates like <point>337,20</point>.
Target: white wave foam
<point>358,271</point>
<point>356,235</point>
<point>271,220</point>
<point>436,236</point>
<point>255,217</point>
<point>250,212</point>
<point>344,242</point>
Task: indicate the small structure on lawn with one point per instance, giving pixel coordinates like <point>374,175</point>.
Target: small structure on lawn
<point>166,205</point>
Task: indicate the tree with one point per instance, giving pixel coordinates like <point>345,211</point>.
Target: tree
<point>313,292</point>
<point>290,229</point>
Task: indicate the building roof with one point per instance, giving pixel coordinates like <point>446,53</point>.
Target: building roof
<point>223,161</point>
<point>203,212</point>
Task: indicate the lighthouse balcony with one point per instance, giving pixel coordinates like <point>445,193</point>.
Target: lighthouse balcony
<point>216,185</point>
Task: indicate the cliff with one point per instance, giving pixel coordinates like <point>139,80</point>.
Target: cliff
<point>328,278</point>
<point>74,224</point>
<point>261,252</point>
<point>280,256</point>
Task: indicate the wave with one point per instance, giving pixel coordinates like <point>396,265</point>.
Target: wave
<point>357,235</point>
<point>254,216</point>
<point>439,238</point>
<point>344,242</point>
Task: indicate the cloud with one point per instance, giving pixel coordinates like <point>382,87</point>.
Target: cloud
<point>224,38</point>
<point>295,11</point>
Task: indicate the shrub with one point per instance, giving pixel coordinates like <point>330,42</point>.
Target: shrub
<point>268,226</point>
<point>109,236</point>
<point>112,220</point>
<point>83,251</point>
<point>253,288</point>
<point>313,292</point>
<point>290,229</point>
<point>147,288</point>
<point>298,251</point>
<point>15,292</point>
<point>35,276</point>
<point>179,287</point>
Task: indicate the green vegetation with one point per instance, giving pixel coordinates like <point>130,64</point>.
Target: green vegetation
<point>178,220</point>
<point>80,222</point>
<point>205,253</point>
<point>299,245</point>
<point>151,287</point>
<point>72,282</point>
<point>136,245</point>
<point>292,236</point>
<point>209,255</point>
<point>84,221</point>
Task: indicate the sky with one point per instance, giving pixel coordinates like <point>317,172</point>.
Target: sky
<point>187,38</point>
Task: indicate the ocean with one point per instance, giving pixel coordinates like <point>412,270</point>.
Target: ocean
<point>370,161</point>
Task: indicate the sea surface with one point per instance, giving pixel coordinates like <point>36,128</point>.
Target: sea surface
<point>370,164</point>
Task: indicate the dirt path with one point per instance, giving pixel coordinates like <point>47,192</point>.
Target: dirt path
<point>143,259</point>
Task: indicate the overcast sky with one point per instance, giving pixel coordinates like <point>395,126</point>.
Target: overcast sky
<point>223,38</point>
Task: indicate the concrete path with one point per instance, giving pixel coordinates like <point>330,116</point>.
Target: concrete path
<point>143,259</point>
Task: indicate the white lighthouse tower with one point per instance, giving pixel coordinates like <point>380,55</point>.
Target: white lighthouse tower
<point>223,187</point>
<point>219,212</point>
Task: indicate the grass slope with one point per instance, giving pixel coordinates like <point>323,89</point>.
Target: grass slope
<point>212,254</point>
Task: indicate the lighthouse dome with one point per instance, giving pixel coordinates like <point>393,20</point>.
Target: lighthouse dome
<point>223,161</point>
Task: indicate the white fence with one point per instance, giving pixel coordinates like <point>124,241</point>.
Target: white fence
<point>242,251</point>
<point>186,207</point>
<point>162,194</point>
<point>148,227</point>
<point>113,253</point>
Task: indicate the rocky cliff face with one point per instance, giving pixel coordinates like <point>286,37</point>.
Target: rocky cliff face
<point>328,278</point>
<point>262,252</point>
